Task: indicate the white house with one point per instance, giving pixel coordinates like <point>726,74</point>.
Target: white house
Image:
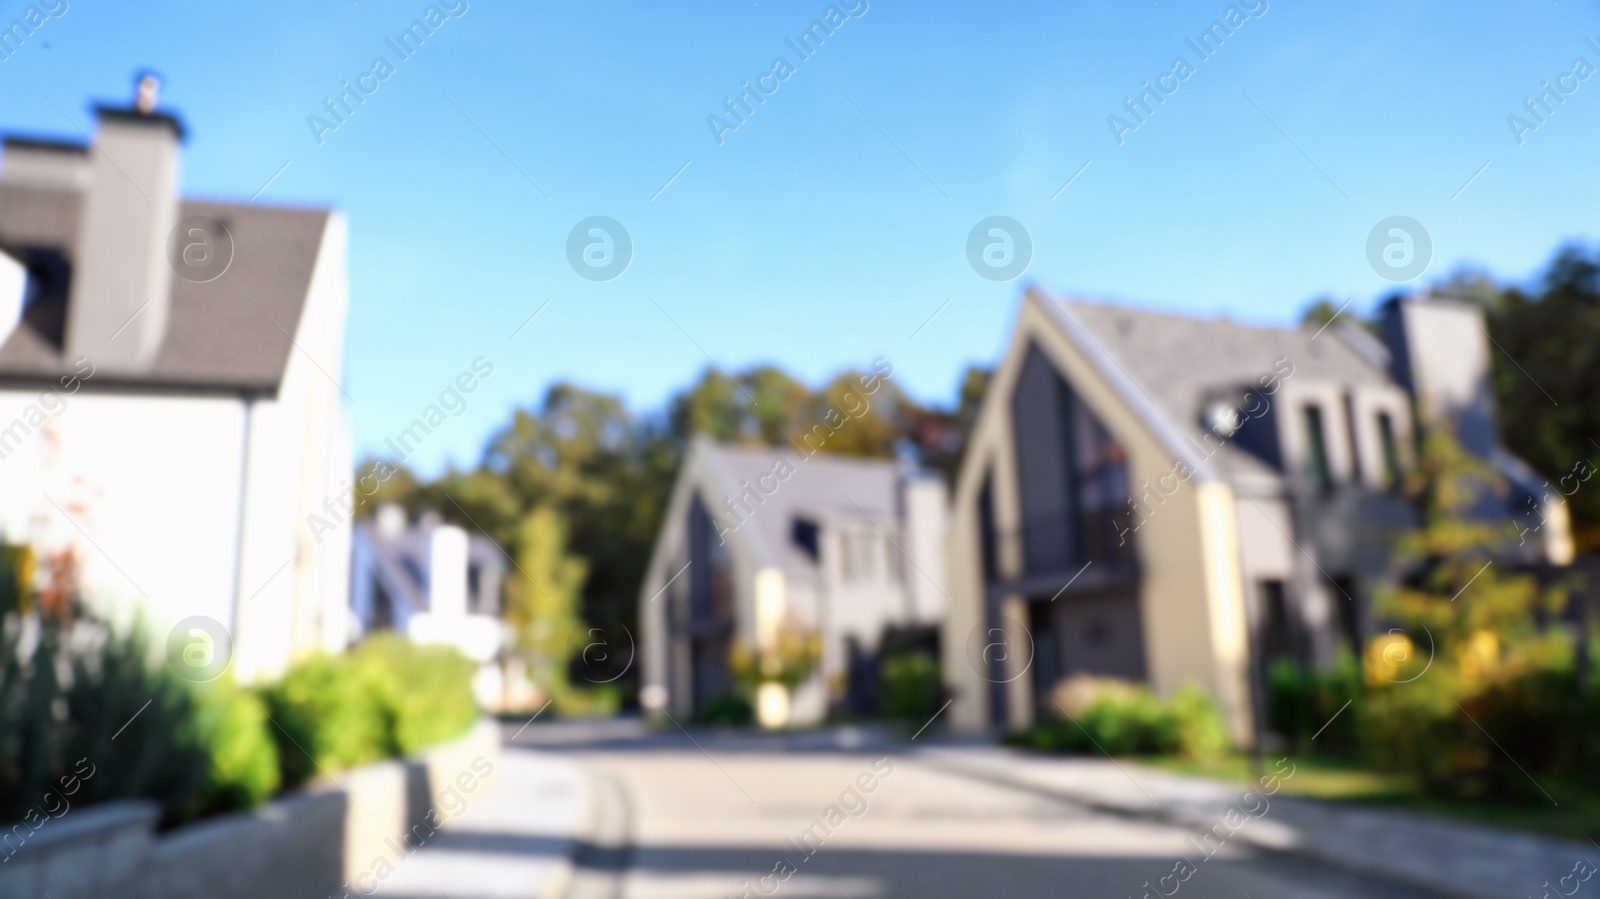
<point>171,409</point>
<point>756,538</point>
<point>434,583</point>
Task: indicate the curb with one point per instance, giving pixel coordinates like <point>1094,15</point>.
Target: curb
<point>599,852</point>
<point>1263,841</point>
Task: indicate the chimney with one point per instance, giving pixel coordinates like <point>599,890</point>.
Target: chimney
<point>1440,353</point>
<point>447,571</point>
<point>122,282</point>
<point>391,520</point>
<point>924,503</point>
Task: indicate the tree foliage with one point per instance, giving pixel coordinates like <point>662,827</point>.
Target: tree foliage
<point>1546,376</point>
<point>579,478</point>
<point>544,597</point>
<point>1474,645</point>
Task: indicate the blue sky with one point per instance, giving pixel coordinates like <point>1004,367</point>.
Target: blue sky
<point>829,227</point>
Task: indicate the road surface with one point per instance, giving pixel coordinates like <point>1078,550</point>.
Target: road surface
<point>697,814</point>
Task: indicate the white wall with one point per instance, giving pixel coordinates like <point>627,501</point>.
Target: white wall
<point>926,520</point>
<point>153,482</point>
<point>295,590</point>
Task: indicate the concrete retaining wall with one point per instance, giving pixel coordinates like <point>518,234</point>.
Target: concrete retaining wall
<point>307,845</point>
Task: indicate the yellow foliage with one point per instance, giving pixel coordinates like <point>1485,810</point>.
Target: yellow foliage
<point>1386,655</point>
<point>789,661</point>
<point>1480,658</point>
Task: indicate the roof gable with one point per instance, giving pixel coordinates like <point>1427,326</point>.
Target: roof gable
<point>782,486</point>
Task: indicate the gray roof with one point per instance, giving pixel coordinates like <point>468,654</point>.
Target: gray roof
<point>402,564</point>
<point>823,487</point>
<point>231,334</point>
<point>1179,362</point>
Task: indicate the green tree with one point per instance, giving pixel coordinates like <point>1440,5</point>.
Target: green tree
<point>763,405</point>
<point>862,424</point>
<point>1545,379</point>
<point>1321,311</point>
<point>1471,640</point>
<point>941,435</point>
<point>543,598</point>
<point>607,472</point>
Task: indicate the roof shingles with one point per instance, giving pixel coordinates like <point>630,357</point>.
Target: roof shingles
<point>231,334</point>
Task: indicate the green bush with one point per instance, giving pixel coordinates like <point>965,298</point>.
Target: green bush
<point>423,692</point>
<point>1200,730</point>
<point>244,770</point>
<point>389,697</point>
<point>912,686</point>
<point>1123,719</point>
<point>730,709</point>
<point>1301,701</point>
<point>85,718</point>
<point>326,719</point>
<point>1438,729</point>
<point>592,701</point>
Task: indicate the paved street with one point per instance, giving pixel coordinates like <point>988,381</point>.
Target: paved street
<point>710,815</point>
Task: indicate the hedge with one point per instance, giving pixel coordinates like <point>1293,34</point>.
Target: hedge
<point>85,718</point>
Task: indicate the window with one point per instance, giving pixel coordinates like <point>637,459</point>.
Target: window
<point>804,535</point>
<point>711,581</point>
<point>1391,451</point>
<point>1317,473</point>
<point>1276,640</point>
<point>1072,476</point>
<point>986,532</point>
<point>1342,592</point>
<point>1351,431</point>
<point>1102,490</point>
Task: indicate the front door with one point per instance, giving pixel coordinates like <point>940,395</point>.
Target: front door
<point>1100,634</point>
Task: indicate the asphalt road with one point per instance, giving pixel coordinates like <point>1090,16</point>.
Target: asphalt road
<point>699,814</point>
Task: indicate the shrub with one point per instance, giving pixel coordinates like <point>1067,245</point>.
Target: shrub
<point>1200,730</point>
<point>1495,662</point>
<point>244,770</point>
<point>84,718</point>
<point>730,709</point>
<point>326,720</point>
<point>791,659</point>
<point>389,697</point>
<point>424,693</point>
<point>1301,701</point>
<point>912,686</point>
<point>595,701</point>
<point>1438,730</point>
<point>1117,718</point>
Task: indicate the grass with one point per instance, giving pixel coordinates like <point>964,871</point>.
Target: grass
<point>1573,812</point>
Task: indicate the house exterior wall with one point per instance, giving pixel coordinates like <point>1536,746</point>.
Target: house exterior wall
<point>1190,593</point>
<point>158,516</point>
<point>294,590</point>
<point>666,662</point>
<point>1346,531</point>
